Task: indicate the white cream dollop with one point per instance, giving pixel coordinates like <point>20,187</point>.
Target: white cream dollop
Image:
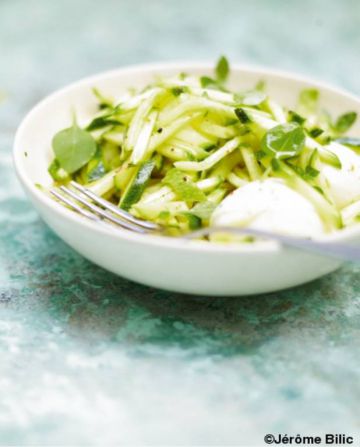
<point>269,205</point>
<point>343,184</point>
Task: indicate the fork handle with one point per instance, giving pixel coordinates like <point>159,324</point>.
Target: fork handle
<point>331,249</point>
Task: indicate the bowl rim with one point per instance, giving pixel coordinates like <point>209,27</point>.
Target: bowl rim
<point>349,233</point>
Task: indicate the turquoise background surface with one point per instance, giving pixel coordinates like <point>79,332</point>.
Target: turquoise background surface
<point>88,358</point>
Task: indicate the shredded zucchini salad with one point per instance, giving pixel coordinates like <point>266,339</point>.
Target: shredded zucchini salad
<point>187,152</point>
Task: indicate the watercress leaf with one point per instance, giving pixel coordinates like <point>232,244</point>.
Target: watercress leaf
<point>222,70</point>
<point>284,141</point>
<point>349,141</point>
<point>183,187</point>
<point>73,148</point>
<point>344,122</point>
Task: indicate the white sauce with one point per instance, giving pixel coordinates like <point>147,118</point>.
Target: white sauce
<point>344,183</point>
<point>269,205</point>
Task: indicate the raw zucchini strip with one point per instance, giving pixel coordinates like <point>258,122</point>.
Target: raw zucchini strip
<point>132,103</point>
<point>251,163</point>
<point>217,131</point>
<point>277,111</point>
<point>194,104</point>
<point>159,138</point>
<point>139,118</point>
<point>235,180</point>
<point>142,143</point>
<point>212,159</point>
<point>137,185</point>
<point>103,185</point>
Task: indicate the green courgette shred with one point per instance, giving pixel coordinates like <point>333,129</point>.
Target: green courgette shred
<point>171,152</point>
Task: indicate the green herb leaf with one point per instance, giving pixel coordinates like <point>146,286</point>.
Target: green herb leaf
<point>183,187</point>
<point>242,116</point>
<point>194,222</point>
<point>284,141</point>
<point>308,101</point>
<point>344,122</point>
<point>260,155</point>
<point>102,121</point>
<point>222,70</point>
<point>177,91</point>
<point>296,118</point>
<point>73,148</point>
<point>311,172</point>
<point>261,86</point>
<point>349,141</point>
<point>330,158</point>
<point>205,81</point>
<point>315,132</point>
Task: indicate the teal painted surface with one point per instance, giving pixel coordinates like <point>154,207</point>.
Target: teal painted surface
<point>88,358</point>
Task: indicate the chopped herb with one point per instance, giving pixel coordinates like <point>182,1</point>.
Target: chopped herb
<point>183,187</point>
<point>311,172</point>
<point>344,122</point>
<point>177,91</point>
<point>308,101</point>
<point>101,122</point>
<point>260,154</point>
<point>295,117</point>
<point>222,70</point>
<point>205,81</point>
<point>242,115</point>
<point>193,221</point>
<point>261,85</point>
<point>315,132</point>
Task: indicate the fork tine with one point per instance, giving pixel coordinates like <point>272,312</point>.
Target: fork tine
<point>73,205</point>
<point>114,209</point>
<point>99,211</point>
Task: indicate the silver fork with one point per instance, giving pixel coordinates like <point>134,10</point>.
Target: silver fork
<point>93,207</point>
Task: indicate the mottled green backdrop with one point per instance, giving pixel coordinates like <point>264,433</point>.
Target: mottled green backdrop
<point>88,358</point>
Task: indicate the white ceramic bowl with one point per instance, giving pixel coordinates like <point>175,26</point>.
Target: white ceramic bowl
<point>191,267</point>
